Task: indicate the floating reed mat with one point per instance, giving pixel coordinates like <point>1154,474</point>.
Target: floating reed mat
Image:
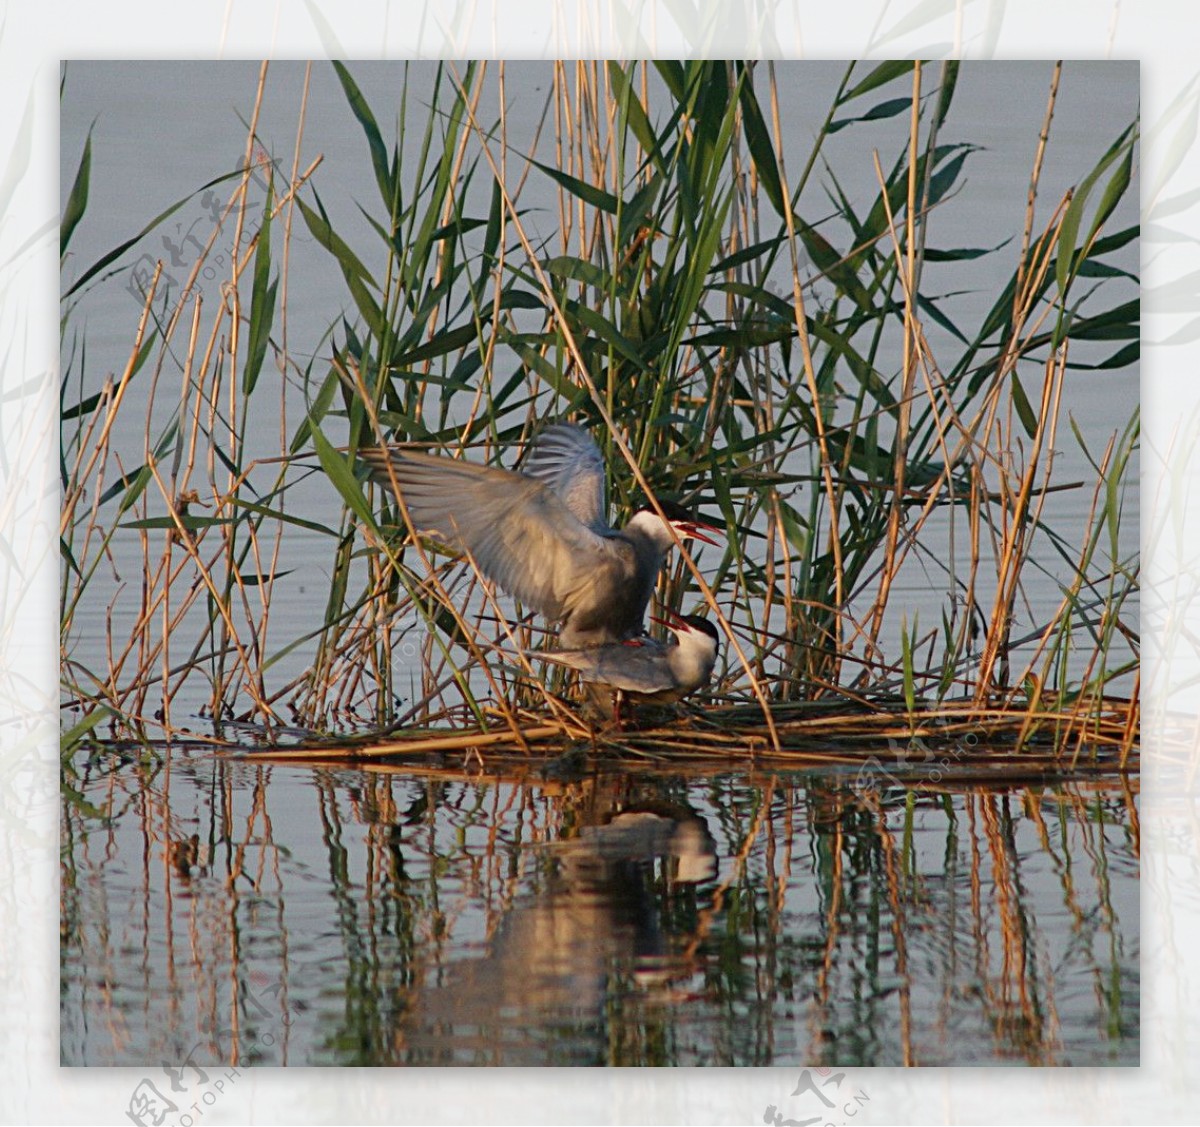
<point>964,738</point>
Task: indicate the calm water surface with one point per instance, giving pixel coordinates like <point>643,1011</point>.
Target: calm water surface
<point>252,913</point>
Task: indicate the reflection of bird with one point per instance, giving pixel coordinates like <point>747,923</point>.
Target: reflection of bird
<point>647,670</point>
<point>600,930</point>
<point>541,533</point>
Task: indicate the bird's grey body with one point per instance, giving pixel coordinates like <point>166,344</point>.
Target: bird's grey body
<point>649,670</point>
<point>540,533</point>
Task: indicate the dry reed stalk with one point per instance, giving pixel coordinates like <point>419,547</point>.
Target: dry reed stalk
<point>1060,619</point>
<point>1133,720</point>
<point>426,745</point>
<point>230,637</point>
<point>810,379</point>
<point>136,687</point>
<point>466,632</point>
<point>72,495</point>
<point>618,441</point>
<point>176,496</point>
<point>907,273</point>
<point>916,355</point>
<point>763,402</point>
<point>1034,180</point>
<point>1018,531</point>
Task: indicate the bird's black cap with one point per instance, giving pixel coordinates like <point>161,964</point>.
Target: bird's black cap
<point>674,511</point>
<point>701,624</point>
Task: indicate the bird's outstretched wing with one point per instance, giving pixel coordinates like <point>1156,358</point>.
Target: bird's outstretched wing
<point>521,533</point>
<point>566,459</point>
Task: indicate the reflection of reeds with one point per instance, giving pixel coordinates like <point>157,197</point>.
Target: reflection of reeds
<point>841,930</point>
<point>177,919</point>
<point>655,319</point>
<point>1000,951</point>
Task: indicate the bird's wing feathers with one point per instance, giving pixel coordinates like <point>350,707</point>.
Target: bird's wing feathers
<point>567,460</point>
<point>523,536</point>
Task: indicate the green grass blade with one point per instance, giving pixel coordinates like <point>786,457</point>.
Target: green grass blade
<point>116,252</point>
<point>370,128</point>
<point>343,479</point>
<point>262,302</point>
<point>77,200</point>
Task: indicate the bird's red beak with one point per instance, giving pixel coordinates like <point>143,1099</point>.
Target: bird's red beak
<point>674,622</point>
<point>692,529</point>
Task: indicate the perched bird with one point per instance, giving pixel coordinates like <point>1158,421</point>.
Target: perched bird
<point>646,670</point>
<point>540,532</point>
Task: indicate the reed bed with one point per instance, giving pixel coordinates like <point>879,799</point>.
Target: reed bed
<point>963,744</point>
<point>738,330</point>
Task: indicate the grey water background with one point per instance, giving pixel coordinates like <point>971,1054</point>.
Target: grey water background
<point>355,916</point>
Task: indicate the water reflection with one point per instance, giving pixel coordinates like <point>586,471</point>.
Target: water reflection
<point>613,919</point>
<point>218,911</point>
